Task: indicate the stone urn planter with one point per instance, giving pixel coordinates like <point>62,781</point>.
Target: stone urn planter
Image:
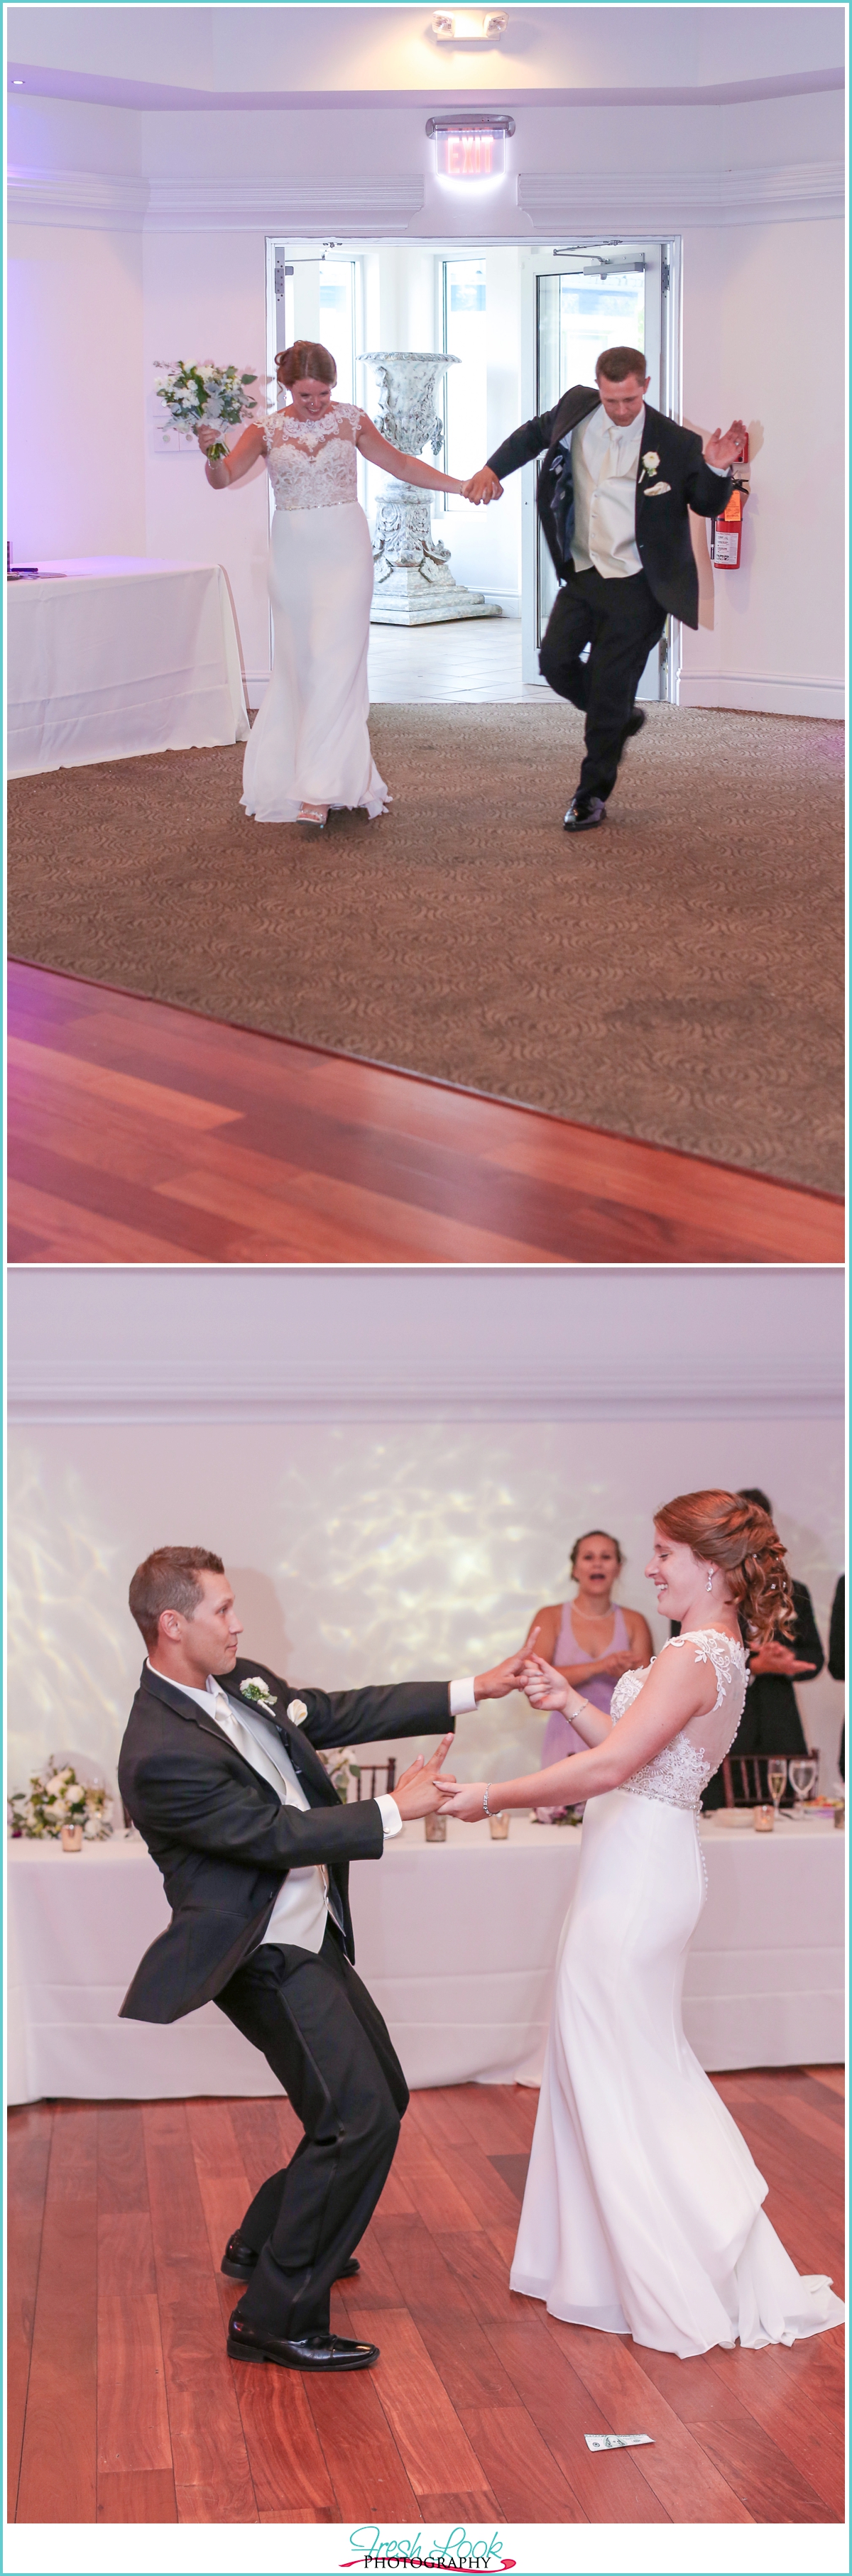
<point>413,582</point>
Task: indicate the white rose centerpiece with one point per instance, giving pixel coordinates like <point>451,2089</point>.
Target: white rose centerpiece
<point>56,1797</point>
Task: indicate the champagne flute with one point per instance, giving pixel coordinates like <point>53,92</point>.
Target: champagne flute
<point>776,1774</point>
<point>802,1778</point>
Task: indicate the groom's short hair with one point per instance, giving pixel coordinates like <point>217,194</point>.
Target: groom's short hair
<point>168,1580</point>
<point>616,364</point>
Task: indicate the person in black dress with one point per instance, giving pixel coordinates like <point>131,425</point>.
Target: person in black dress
<point>770,1721</point>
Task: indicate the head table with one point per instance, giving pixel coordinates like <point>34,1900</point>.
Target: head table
<point>113,655</point>
<point>457,1942</point>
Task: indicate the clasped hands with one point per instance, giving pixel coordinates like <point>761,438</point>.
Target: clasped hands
<point>420,1791</point>
<point>544,1688</point>
<point>482,486</point>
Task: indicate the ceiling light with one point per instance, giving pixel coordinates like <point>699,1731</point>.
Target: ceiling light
<point>469,26</point>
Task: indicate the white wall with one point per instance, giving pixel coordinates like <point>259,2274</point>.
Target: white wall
<point>393,1467</point>
<point>145,232</point>
<point>205,297</point>
<point>762,337</point>
<point>75,438</point>
<point>371,1553</point>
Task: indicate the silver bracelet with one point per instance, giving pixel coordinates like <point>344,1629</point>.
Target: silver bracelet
<point>485,1807</point>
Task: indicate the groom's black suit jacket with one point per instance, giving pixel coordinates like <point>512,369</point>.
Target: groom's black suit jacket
<point>221,1836</point>
<point>662,522</point>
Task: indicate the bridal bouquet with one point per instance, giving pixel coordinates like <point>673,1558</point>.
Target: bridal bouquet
<point>57,1798</point>
<point>216,395</point>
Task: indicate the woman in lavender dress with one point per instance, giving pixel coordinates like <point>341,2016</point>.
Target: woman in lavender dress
<point>590,1640</point>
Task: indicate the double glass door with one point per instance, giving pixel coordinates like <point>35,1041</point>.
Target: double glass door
<point>576,303</point>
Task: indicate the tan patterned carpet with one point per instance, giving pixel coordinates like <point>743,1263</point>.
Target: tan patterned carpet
<point>675,976</point>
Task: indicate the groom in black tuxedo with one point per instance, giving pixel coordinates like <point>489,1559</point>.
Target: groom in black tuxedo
<point>219,1770</point>
<point>614,495</point>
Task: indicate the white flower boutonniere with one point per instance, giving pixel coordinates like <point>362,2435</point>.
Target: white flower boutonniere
<point>296,1711</point>
<point>258,1691</point>
<point>650,462</point>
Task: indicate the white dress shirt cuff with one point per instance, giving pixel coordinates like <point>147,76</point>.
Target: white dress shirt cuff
<point>390,1815</point>
<point>462,1698</point>
<point>724,470</point>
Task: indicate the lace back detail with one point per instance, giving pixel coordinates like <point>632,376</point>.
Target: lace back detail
<point>313,464</point>
<point>678,1775</point>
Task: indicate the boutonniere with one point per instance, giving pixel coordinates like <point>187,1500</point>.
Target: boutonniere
<point>258,1691</point>
<point>650,462</point>
<point>651,490</point>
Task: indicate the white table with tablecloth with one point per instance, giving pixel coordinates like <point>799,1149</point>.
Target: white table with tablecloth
<point>457,1942</point>
<point>111,656</point>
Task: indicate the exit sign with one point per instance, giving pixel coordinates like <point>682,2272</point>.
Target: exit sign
<point>472,155</point>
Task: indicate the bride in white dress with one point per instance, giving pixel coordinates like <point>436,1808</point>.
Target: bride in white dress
<point>642,2211</point>
<point>309,747</point>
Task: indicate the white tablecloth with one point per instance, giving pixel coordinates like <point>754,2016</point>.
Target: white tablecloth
<point>125,655</point>
<point>456,1941</point>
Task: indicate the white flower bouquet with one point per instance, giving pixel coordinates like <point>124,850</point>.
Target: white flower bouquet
<point>57,1798</point>
<point>218,396</point>
<point>341,1771</point>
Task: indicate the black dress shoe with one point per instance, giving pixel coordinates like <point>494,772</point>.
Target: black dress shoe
<point>584,814</point>
<point>318,2351</point>
<point>239,2260</point>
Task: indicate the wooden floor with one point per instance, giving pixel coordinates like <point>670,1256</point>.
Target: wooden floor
<point>140,1133</point>
<point>124,2408</point>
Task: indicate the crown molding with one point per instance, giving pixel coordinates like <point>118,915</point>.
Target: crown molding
<point>587,201</point>
<point>584,202</point>
<point>91,1393</point>
<point>41,80</point>
<point>371,207</point>
<point>93,200</point>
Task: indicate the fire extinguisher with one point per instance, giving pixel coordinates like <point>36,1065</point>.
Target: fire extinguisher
<point>726,532</point>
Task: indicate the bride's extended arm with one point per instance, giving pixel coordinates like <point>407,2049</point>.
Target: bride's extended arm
<point>239,461</point>
<point>678,1687</point>
<point>547,1686</point>
<point>408,469</point>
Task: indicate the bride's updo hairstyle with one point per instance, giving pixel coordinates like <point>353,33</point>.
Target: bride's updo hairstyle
<point>725,1530</point>
<point>305,358</point>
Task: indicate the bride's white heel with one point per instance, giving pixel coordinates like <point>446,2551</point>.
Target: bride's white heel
<point>316,814</point>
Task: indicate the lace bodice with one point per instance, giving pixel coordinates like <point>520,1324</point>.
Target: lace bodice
<point>679,1774</point>
<point>313,463</point>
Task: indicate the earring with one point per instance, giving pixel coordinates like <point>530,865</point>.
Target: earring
<point>710,1580</point>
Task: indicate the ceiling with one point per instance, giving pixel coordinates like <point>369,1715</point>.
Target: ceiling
<point>245,57</point>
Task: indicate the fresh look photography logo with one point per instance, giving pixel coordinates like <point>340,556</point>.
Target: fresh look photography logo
<point>470,2553</point>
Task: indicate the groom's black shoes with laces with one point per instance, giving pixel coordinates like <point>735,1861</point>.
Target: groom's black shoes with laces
<point>239,2261</point>
<point>584,814</point>
<point>318,2351</point>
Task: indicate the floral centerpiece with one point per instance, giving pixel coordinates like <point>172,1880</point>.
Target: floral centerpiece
<point>218,396</point>
<point>340,1771</point>
<point>56,1798</point>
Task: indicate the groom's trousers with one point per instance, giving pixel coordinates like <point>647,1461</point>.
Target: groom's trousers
<point>325,2039</point>
<point>620,621</point>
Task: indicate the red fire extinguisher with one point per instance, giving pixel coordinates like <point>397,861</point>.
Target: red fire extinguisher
<point>726,532</point>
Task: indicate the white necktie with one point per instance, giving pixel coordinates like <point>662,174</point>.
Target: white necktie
<point>248,1745</point>
<point>256,1753</point>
